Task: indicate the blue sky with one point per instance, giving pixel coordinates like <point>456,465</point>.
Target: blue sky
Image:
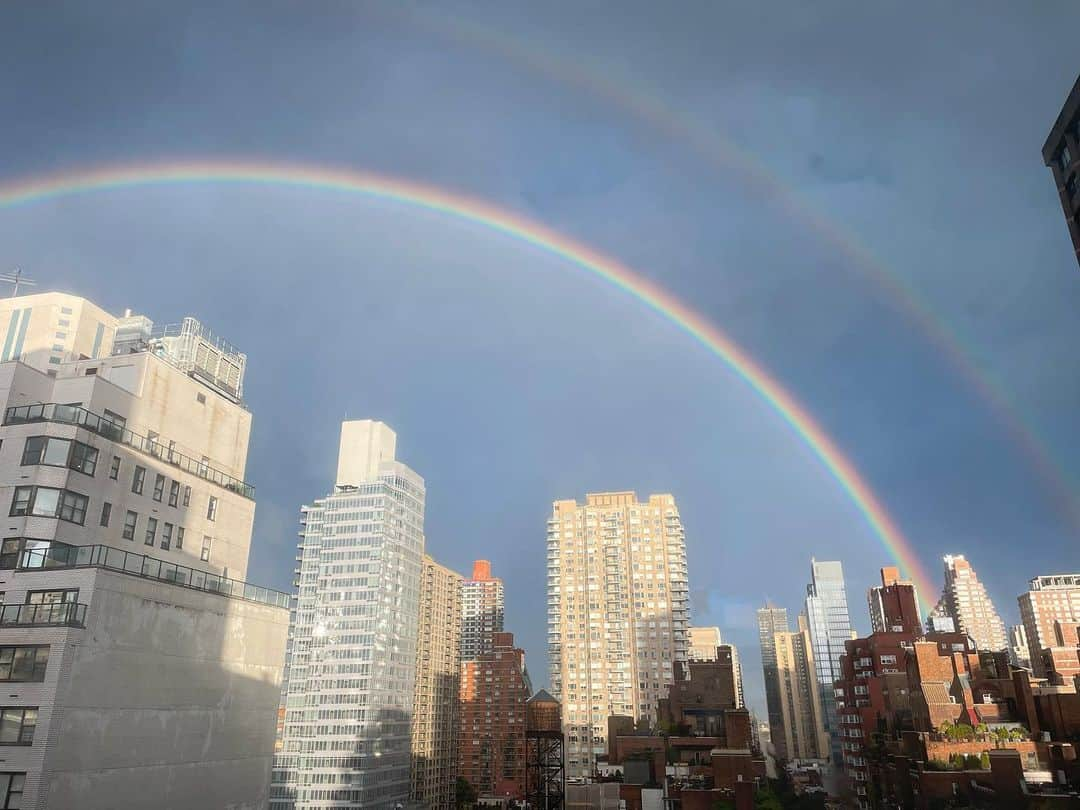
<point>513,379</point>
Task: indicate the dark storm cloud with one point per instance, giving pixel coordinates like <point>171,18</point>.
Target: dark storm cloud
<point>914,130</point>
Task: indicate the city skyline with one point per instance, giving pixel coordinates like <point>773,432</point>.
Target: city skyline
<point>511,372</point>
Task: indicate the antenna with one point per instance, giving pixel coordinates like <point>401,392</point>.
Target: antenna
<point>15,279</point>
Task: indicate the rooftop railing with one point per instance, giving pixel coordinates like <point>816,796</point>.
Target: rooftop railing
<point>103,426</point>
<point>115,559</point>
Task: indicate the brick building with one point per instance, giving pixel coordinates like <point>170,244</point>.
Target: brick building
<point>494,689</point>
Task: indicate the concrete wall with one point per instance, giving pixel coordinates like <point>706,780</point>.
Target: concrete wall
<point>168,700</point>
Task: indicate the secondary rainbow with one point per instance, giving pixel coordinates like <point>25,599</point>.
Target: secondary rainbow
<point>513,225</point>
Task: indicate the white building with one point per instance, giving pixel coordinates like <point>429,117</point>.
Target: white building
<point>143,670</point>
<point>351,670</point>
<point>1019,653</point>
<point>618,613</point>
<point>964,599</point>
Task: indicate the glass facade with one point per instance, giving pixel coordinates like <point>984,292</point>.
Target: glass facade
<point>348,690</point>
<point>830,626</point>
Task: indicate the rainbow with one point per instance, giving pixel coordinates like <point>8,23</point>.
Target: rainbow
<point>535,234</point>
<point>723,154</point>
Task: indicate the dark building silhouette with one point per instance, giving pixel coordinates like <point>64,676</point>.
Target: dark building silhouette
<point>1060,153</point>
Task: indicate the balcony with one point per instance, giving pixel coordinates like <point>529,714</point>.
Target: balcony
<point>62,614</point>
<point>114,559</point>
<point>71,415</point>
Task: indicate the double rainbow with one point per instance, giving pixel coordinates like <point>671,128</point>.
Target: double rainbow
<point>532,233</point>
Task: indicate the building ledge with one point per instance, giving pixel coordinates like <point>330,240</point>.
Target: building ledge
<point>140,565</point>
<point>103,426</point>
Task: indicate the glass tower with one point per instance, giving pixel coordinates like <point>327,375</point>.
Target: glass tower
<point>830,626</point>
<point>350,671</point>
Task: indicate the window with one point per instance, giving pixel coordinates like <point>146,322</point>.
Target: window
<point>65,310</point>
<point>61,335</point>
<point>205,555</point>
<point>179,536</point>
<point>65,322</point>
<point>187,496</point>
<point>83,458</point>
<point>137,479</point>
<point>1064,158</point>
<point>11,789</point>
<point>159,487</point>
<point>211,508</point>
<point>130,521</point>
<point>106,513</point>
<point>17,728</point>
<point>200,398</point>
<point>55,597</point>
<point>166,536</point>
<point>115,418</point>
<point>114,468</point>
<point>73,507</point>
<point>174,493</point>
<point>23,664</point>
<point>49,502</point>
<point>151,531</point>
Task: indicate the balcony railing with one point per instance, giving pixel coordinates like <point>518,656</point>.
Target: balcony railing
<point>103,426</point>
<point>65,614</point>
<point>115,559</point>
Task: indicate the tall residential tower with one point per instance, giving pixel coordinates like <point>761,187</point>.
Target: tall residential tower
<point>965,600</point>
<point>436,694</point>
<point>350,680</point>
<point>618,612</point>
<point>482,609</point>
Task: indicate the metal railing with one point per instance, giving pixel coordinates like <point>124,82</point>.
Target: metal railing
<point>103,426</point>
<point>68,614</point>
<point>115,559</point>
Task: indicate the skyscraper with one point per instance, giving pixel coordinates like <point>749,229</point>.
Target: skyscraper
<point>618,612</point>
<point>965,600</point>
<point>1059,153</point>
<point>773,620</point>
<point>800,700</point>
<point>829,625</point>
<point>352,645</point>
<point>706,645</point>
<point>894,604</point>
<point>138,667</point>
<point>1049,599</point>
<point>482,609</point>
<point>436,696</point>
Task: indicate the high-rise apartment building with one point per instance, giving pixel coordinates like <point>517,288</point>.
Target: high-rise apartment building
<point>829,624</point>
<point>138,668</point>
<point>494,690</point>
<point>706,645</point>
<point>482,609</point>
<point>1060,154</point>
<point>773,620</point>
<point>894,604</point>
<point>965,600</point>
<point>800,698</point>
<point>1049,599</point>
<point>618,612</point>
<point>350,678</point>
<point>435,722</point>
<point>1019,654</point>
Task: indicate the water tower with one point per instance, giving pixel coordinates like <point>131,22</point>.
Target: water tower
<point>545,759</point>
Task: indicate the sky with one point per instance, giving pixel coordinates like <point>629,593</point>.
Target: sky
<point>853,193</point>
